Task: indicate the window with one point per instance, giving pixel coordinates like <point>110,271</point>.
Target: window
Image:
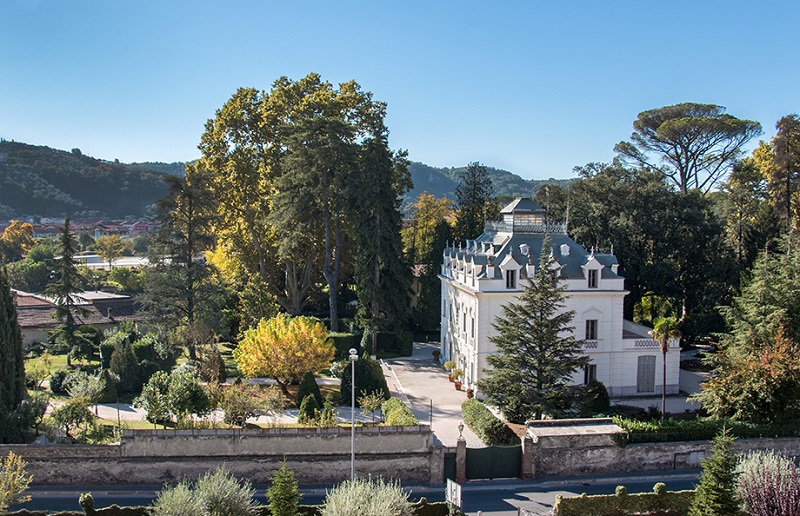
<point>472,328</point>
<point>646,374</point>
<point>589,373</point>
<point>511,279</point>
<point>592,278</point>
<point>464,322</point>
<point>591,329</point>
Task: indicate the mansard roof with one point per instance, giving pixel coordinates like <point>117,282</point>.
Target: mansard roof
<point>523,205</point>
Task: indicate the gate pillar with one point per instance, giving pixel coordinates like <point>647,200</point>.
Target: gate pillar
<point>461,460</point>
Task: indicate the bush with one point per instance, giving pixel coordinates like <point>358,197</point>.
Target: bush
<point>239,403</point>
<point>308,410</point>
<point>397,343</point>
<point>124,365</point>
<point>369,378</point>
<point>283,495</point>
<point>641,503</point>
<point>486,425</point>
<point>343,343</point>
<point>699,429</point>
<point>367,497</point>
<point>221,493</point>
<point>106,349</point>
<point>57,381</point>
<point>396,413</point>
<point>769,484</point>
<point>308,385</point>
<point>177,501</point>
<point>593,399</point>
<point>109,392</point>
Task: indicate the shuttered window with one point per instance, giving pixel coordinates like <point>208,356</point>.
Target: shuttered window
<point>646,374</point>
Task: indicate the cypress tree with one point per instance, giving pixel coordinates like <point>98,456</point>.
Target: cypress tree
<point>12,365</point>
<point>308,385</point>
<point>536,353</point>
<point>473,194</point>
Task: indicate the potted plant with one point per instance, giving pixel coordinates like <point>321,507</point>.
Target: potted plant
<point>450,365</point>
<point>456,375</point>
<point>436,354</point>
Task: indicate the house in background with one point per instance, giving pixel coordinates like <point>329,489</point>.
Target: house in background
<point>492,270</point>
<point>104,310</point>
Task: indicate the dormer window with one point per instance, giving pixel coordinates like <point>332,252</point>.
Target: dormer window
<point>592,278</point>
<point>511,278</point>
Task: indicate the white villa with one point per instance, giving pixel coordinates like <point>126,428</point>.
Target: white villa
<point>493,269</point>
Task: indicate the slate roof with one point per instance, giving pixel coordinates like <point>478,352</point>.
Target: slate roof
<point>523,205</point>
<point>37,312</point>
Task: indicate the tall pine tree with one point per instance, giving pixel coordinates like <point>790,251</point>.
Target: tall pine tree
<point>473,196</point>
<point>12,365</point>
<point>536,352</point>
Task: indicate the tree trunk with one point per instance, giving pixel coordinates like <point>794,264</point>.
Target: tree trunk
<point>664,381</point>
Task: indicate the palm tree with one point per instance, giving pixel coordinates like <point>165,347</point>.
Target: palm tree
<point>664,330</point>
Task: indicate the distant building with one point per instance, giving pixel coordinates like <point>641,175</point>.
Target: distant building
<point>492,271</point>
<point>104,310</point>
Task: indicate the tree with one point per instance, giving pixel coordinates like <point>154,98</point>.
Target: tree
<point>284,348</point>
<point>12,362</point>
<point>370,402</point>
<point>697,143</point>
<point>71,414</point>
<point>64,287</point>
<point>783,182</point>
<point>186,396</point>
<point>13,481</point>
<point>473,196</point>
<point>110,248</point>
<point>178,288</point>
<point>664,330</point>
<point>716,493</point>
<point>536,352</point>
<point>154,398</point>
<point>382,275</point>
<point>368,497</point>
<point>283,495</point>
<point>16,241</point>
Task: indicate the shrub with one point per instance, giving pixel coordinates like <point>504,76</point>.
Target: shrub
<point>593,399</point>
<point>86,501</point>
<point>57,381</point>
<point>177,501</point>
<point>308,410</point>
<point>641,503</point>
<point>343,343</point>
<point>106,349</point>
<point>109,392</point>
<point>367,497</point>
<point>369,377</point>
<point>337,368</point>
<point>486,425</point>
<point>396,413</point>
<point>239,403</point>
<point>699,429</point>
<point>308,385</point>
<point>125,366</point>
<point>769,484</point>
<point>220,493</point>
<point>283,495</point>
<point>212,367</point>
<point>13,481</point>
<point>397,343</point>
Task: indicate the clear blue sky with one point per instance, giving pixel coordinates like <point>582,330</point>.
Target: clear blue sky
<point>533,87</point>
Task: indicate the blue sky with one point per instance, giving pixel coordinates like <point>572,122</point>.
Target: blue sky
<point>532,87</point>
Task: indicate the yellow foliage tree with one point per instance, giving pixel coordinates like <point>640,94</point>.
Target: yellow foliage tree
<point>18,239</point>
<point>284,348</point>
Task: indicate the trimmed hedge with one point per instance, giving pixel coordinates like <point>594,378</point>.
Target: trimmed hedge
<point>343,342</point>
<point>369,378</point>
<point>308,385</point>
<point>491,430</point>
<point>700,429</point>
<point>397,343</point>
<point>662,503</point>
<point>396,413</point>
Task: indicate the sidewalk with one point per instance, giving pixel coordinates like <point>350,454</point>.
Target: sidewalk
<point>423,384</point>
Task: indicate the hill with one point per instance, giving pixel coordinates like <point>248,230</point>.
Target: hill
<point>38,180</point>
<point>442,182</point>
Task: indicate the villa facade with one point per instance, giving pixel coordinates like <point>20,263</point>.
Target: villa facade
<point>492,270</point>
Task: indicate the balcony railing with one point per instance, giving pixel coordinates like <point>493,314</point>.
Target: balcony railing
<point>590,344</point>
<point>552,227</point>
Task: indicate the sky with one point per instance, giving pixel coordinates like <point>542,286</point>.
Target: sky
<point>532,87</point>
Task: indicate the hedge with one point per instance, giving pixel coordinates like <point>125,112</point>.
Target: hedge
<point>344,342</point>
<point>700,429</point>
<point>397,343</point>
<point>491,430</point>
<point>396,413</point>
<point>662,503</point>
<point>111,510</point>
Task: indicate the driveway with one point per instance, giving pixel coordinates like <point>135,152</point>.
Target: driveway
<point>424,386</point>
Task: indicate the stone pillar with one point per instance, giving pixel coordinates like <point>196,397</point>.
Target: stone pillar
<point>461,460</point>
<point>526,469</point>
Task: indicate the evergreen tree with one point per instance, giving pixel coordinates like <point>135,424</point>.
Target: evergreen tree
<point>307,413</point>
<point>67,282</point>
<point>308,385</point>
<point>12,364</point>
<point>536,352</point>
<point>382,275</point>
<point>716,494</point>
<point>283,495</point>
<point>783,182</point>
<point>473,197</point>
<point>178,291</point>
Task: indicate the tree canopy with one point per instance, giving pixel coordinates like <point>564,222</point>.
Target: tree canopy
<point>694,145</point>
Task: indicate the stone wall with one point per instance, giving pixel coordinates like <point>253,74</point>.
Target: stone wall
<point>315,455</point>
<point>584,449</point>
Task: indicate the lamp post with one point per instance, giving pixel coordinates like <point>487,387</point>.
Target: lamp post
<point>353,359</point>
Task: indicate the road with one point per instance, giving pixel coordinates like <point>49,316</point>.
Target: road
<point>496,498</point>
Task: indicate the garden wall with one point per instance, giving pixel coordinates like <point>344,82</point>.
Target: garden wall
<point>315,455</point>
<point>585,448</point>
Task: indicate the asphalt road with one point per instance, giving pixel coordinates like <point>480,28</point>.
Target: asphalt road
<point>497,498</point>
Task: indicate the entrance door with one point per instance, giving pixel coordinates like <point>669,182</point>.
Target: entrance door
<point>646,374</point>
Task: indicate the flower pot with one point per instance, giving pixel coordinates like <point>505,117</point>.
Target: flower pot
<point>451,378</point>
<point>458,384</point>
<point>436,354</point>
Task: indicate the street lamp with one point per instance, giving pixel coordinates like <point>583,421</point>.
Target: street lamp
<point>353,359</point>
<point>460,430</point>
